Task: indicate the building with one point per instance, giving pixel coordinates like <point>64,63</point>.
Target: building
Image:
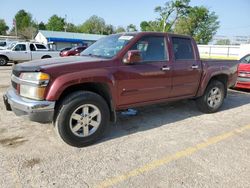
<point>58,40</point>
<point>234,40</point>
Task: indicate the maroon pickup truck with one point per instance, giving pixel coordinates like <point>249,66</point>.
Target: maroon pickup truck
<point>80,95</point>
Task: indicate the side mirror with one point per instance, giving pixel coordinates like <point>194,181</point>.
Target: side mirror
<point>133,56</point>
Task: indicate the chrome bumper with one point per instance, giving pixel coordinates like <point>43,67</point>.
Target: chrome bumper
<point>38,111</point>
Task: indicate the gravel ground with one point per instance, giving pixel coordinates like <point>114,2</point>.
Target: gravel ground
<point>151,149</point>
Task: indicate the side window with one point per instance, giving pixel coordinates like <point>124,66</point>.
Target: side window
<point>246,59</point>
<point>20,47</point>
<point>152,49</point>
<point>183,49</point>
<point>40,47</point>
<point>32,47</point>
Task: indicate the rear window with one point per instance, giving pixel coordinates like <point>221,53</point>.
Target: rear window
<point>40,46</point>
<point>183,49</point>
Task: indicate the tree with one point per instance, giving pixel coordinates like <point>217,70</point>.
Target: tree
<point>41,26</point>
<point>71,27</point>
<point>223,42</point>
<point>131,28</point>
<point>23,20</point>
<point>151,26</point>
<point>199,23</point>
<point>168,16</point>
<point>26,27</point>
<point>120,29</point>
<point>109,29</point>
<point>55,23</point>
<point>94,25</point>
<point>3,27</point>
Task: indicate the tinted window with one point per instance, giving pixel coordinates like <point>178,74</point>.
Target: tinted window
<point>32,47</point>
<point>183,49</point>
<point>40,46</point>
<point>245,59</point>
<point>3,43</point>
<point>20,47</point>
<point>152,48</point>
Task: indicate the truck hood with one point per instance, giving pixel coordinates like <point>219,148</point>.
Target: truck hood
<point>37,65</point>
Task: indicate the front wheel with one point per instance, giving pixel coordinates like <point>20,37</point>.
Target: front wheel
<point>82,118</point>
<point>213,97</point>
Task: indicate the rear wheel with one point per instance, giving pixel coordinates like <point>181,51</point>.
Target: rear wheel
<point>3,61</point>
<point>213,97</point>
<point>82,118</point>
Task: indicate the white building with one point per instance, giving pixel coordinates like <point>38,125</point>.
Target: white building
<point>65,39</point>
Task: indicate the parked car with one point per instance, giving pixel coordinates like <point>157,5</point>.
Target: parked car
<point>81,94</point>
<point>25,51</point>
<point>243,80</point>
<point>64,49</point>
<point>73,51</point>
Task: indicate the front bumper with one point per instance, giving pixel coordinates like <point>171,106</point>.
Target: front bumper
<point>38,111</point>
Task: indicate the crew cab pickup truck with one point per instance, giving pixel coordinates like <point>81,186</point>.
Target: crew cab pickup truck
<point>81,94</point>
<point>25,51</point>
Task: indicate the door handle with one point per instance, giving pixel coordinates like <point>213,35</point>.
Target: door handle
<point>165,68</point>
<point>195,67</point>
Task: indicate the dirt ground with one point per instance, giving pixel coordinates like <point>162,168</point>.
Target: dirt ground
<point>166,145</point>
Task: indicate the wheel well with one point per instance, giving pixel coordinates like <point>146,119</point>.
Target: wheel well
<point>46,56</point>
<point>222,78</point>
<point>5,57</point>
<point>98,88</point>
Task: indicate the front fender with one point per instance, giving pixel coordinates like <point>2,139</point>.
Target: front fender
<point>61,83</point>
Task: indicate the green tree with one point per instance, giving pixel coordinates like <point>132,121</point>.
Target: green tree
<point>151,26</point>
<point>109,29</point>
<point>120,29</point>
<point>199,23</point>
<point>131,28</point>
<point>55,23</point>
<point>168,16</point>
<point>3,27</point>
<point>41,26</point>
<point>23,20</point>
<point>94,25</point>
<point>26,27</point>
<point>223,42</point>
<point>71,27</point>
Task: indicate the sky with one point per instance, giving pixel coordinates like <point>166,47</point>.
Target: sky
<point>234,15</point>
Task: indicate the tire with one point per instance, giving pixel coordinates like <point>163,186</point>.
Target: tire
<point>213,98</point>
<point>74,123</point>
<point>3,61</point>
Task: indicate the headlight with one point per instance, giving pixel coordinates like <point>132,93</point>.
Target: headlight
<point>33,85</point>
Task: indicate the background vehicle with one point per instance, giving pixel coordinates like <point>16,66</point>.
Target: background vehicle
<point>73,51</point>
<point>25,51</point>
<point>64,49</point>
<point>243,80</point>
<point>81,94</point>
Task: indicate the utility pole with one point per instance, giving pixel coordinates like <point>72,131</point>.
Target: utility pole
<point>65,26</point>
<point>14,24</point>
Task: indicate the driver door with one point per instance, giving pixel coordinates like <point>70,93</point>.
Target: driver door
<point>20,53</point>
<point>150,79</point>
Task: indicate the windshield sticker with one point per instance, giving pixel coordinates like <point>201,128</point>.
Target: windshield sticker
<point>126,37</point>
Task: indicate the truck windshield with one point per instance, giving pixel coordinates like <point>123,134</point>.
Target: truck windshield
<point>109,46</point>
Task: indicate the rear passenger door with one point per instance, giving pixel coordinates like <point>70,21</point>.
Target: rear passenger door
<point>186,68</point>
